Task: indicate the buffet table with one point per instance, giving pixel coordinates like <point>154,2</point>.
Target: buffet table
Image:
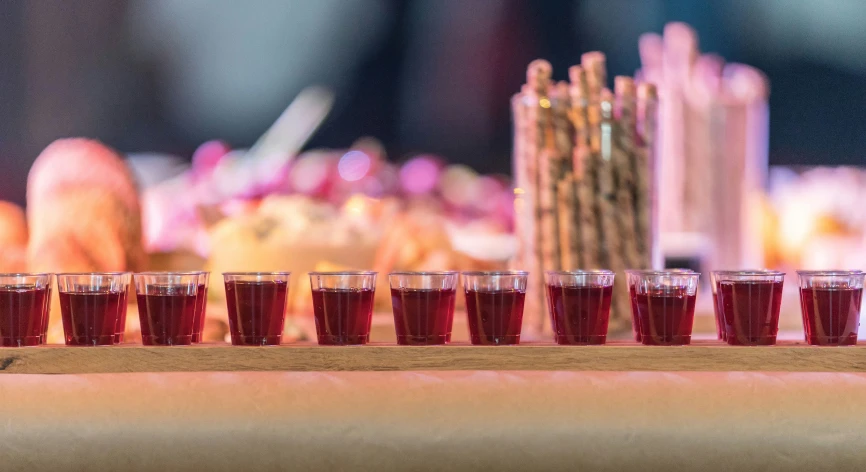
<point>478,420</point>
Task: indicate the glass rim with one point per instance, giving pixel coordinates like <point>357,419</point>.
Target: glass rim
<point>581,272</point>
<point>755,272</point>
<point>831,273</point>
<point>662,272</point>
<point>345,272</point>
<point>74,274</point>
<point>256,273</point>
<point>168,272</point>
<point>425,272</point>
<point>26,274</point>
<point>495,273</point>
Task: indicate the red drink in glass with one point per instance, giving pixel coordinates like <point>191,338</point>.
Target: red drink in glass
<point>749,306</point>
<point>343,306</point>
<point>579,305</point>
<point>830,303</point>
<point>423,316</point>
<point>167,305</point>
<point>494,306</point>
<point>22,314</point>
<point>580,314</point>
<point>343,316</point>
<point>257,307</point>
<point>832,315</point>
<point>664,304</point>
<point>90,318</point>
<point>495,316</point>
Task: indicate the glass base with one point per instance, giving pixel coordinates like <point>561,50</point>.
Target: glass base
<point>495,340</point>
<point>849,340</point>
<point>348,340</point>
<point>431,340</point>
<point>751,340</point>
<point>673,340</point>
<point>20,341</point>
<point>238,340</point>
<point>578,340</point>
<point>90,340</point>
<point>166,341</point>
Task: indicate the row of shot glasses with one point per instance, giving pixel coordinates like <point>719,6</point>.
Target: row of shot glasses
<point>172,306</point>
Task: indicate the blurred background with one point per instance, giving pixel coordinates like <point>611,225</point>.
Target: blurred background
<point>419,75</point>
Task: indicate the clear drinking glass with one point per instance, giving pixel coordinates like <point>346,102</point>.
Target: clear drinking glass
<point>92,306</point>
<point>257,307</point>
<point>343,306</point>
<point>664,305</point>
<point>579,305</point>
<point>24,304</point>
<point>167,304</point>
<point>748,303</point>
<point>494,305</point>
<point>423,304</point>
<point>830,303</point>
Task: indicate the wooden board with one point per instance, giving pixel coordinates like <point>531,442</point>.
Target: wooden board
<point>701,356</point>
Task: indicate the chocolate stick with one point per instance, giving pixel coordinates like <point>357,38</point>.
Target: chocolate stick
<point>566,204</point>
<point>524,206</point>
<point>622,153</point>
<point>538,118</point>
<point>584,171</point>
<point>647,116</point>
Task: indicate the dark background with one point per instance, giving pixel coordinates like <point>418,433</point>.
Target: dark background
<point>423,75</point>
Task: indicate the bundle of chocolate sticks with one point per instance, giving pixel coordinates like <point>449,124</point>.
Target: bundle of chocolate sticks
<point>583,159</point>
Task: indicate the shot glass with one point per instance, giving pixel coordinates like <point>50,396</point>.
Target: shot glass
<point>167,303</point>
<point>423,304</point>
<point>256,306</point>
<point>830,303</point>
<point>91,305</point>
<point>200,308</point>
<point>24,302</point>
<point>494,305</point>
<point>748,303</point>
<point>343,306</point>
<point>664,305</point>
<point>579,305</point>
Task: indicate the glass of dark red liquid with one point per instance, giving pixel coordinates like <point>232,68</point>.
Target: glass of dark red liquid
<point>579,305</point>
<point>257,307</point>
<point>167,304</point>
<point>24,304</point>
<point>663,304</point>
<point>748,302</point>
<point>423,304</point>
<point>200,308</point>
<point>91,306</point>
<point>830,303</point>
<point>494,305</point>
<point>343,306</point>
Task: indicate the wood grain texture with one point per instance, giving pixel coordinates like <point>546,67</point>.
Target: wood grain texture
<point>701,356</point>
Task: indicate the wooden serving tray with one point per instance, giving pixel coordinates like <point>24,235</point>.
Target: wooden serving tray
<point>617,356</point>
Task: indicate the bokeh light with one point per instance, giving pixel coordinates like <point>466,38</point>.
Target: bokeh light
<point>354,165</point>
